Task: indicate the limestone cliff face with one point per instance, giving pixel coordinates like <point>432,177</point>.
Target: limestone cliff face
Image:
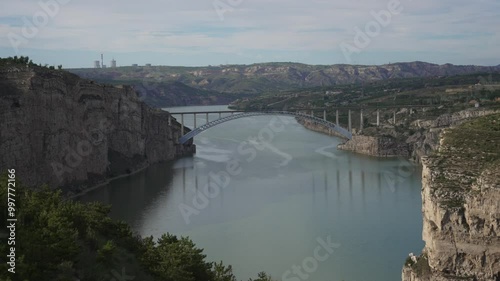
<point>461,207</point>
<point>58,129</point>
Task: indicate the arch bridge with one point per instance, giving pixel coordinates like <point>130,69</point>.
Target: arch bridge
<point>242,114</point>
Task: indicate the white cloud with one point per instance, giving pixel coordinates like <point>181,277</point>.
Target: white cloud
<point>257,25</point>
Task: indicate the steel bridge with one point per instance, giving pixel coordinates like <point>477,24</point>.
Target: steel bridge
<point>241,114</point>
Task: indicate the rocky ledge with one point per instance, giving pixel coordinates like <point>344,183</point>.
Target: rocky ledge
<point>376,146</point>
<point>67,132</point>
<point>461,206</point>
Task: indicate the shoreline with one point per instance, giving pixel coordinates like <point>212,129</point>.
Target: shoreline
<point>106,182</point>
<point>109,180</point>
<point>371,146</point>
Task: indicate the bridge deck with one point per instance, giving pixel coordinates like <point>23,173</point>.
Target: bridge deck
<point>334,127</point>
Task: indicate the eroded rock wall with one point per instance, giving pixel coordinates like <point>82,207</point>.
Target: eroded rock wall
<point>60,130</point>
<point>376,146</point>
<point>461,208</point>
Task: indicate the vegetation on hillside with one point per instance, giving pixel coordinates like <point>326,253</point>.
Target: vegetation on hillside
<point>433,96</point>
<point>58,239</point>
<point>393,92</point>
<point>22,60</point>
<point>468,152</point>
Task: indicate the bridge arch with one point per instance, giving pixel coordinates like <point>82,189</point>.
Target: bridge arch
<point>345,133</point>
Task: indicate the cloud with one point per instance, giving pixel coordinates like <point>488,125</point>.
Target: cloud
<point>255,27</point>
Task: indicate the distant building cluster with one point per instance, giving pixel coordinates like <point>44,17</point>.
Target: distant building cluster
<point>100,64</point>
<point>146,65</point>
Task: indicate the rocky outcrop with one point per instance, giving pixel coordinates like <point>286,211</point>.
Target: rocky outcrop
<point>425,140</point>
<point>461,206</point>
<point>60,130</point>
<point>376,146</point>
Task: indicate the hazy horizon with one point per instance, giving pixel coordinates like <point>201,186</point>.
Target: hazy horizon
<point>280,62</point>
<point>218,32</point>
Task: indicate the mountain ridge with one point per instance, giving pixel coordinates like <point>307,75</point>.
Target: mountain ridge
<point>275,76</point>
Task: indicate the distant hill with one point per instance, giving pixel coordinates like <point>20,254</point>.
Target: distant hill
<point>164,93</point>
<point>266,77</point>
<point>173,93</point>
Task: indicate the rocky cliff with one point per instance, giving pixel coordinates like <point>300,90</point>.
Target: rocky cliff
<point>420,139</point>
<point>461,206</point>
<point>58,129</point>
<point>376,146</point>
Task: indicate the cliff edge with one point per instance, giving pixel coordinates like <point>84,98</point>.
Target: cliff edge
<point>68,132</point>
<point>461,206</point>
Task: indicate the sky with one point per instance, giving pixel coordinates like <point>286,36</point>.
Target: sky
<point>74,33</point>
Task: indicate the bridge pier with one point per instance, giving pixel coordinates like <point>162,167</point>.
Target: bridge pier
<point>349,118</point>
<point>169,119</point>
<point>337,117</point>
<point>378,117</point>
<point>194,121</point>
<point>206,118</point>
<point>220,115</point>
<point>394,118</point>
<point>312,113</point>
<point>324,115</point>
<point>361,121</point>
<point>182,124</point>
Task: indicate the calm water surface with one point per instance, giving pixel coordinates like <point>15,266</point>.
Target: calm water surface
<point>289,187</point>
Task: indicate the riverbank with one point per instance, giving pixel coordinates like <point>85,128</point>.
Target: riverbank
<point>86,190</point>
<point>313,126</point>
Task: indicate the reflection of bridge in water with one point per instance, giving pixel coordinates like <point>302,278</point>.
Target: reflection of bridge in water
<point>342,182</point>
<point>301,113</point>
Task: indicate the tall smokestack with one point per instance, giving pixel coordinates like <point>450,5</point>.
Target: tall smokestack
<point>102,60</point>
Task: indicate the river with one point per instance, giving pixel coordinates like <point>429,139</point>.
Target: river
<point>270,195</point>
